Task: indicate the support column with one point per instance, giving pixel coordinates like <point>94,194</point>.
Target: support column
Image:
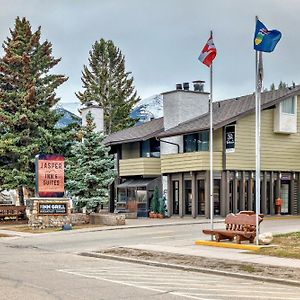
<point>194,195</point>
<point>181,195</point>
<point>277,187</point>
<point>249,191</point>
<point>264,193</point>
<point>223,195</point>
<point>272,198</point>
<point>242,191</point>
<point>235,194</point>
<point>292,199</point>
<point>207,204</point>
<point>170,196</point>
<point>227,179</point>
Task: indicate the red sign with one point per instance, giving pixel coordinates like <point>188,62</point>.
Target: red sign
<point>50,175</point>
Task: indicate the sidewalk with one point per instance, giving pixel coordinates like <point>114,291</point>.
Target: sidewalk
<point>223,254</point>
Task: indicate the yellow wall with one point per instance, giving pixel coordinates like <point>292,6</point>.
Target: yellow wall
<point>130,150</point>
<point>146,166</point>
<point>278,151</point>
<point>218,141</point>
<point>191,161</point>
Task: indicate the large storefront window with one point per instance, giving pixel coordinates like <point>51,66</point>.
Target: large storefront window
<point>150,148</point>
<point>217,183</point>
<point>188,196</point>
<point>175,197</point>
<point>201,197</point>
<point>196,142</point>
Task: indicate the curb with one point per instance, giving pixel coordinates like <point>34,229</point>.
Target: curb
<point>227,245</point>
<point>191,269</point>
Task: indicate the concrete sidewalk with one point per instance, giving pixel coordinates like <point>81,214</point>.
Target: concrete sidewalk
<point>223,254</point>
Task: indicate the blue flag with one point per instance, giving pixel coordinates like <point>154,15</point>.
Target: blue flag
<point>265,40</point>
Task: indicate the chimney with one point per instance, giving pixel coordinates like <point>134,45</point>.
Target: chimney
<point>198,86</point>
<point>186,86</point>
<point>178,86</point>
<point>97,114</point>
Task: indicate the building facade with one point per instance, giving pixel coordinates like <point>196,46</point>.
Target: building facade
<point>173,153</point>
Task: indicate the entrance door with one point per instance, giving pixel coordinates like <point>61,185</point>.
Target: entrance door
<point>285,193</point>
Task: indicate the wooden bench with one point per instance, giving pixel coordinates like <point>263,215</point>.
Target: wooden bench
<point>12,211</point>
<point>241,227</point>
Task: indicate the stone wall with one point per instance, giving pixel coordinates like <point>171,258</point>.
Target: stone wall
<point>36,220</point>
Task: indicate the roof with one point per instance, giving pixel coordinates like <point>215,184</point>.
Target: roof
<point>228,111</point>
<point>136,133</point>
<point>135,183</point>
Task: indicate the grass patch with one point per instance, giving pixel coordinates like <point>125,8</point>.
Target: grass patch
<point>287,245</point>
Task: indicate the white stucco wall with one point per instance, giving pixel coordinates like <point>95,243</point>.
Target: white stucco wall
<point>181,106</point>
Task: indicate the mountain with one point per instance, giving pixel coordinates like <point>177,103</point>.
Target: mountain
<point>147,109</point>
<point>67,118</point>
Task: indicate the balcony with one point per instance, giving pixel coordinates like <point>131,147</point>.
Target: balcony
<point>144,166</point>
<point>191,161</point>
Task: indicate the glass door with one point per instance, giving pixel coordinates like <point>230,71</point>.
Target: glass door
<point>201,197</point>
<point>285,191</point>
<point>188,196</point>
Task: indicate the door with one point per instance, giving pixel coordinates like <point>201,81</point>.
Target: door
<point>201,197</point>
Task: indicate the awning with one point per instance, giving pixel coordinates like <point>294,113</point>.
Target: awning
<point>135,183</point>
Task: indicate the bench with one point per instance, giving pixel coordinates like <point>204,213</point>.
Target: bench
<point>12,211</point>
<point>242,227</point>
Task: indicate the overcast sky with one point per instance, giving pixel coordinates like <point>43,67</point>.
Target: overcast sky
<point>161,39</point>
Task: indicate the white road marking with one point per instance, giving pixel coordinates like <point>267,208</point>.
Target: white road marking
<point>187,284</point>
<point>133,285</point>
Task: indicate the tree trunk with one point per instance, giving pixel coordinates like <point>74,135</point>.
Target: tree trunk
<point>21,195</point>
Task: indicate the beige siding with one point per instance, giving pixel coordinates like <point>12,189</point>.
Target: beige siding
<point>278,151</point>
<point>130,150</point>
<point>146,166</point>
<point>192,161</point>
<point>218,141</point>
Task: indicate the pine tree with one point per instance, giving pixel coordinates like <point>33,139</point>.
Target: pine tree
<point>27,94</point>
<point>106,82</point>
<point>91,170</point>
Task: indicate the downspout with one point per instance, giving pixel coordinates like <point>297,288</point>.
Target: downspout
<point>171,143</point>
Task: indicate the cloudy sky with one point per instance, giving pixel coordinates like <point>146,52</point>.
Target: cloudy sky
<point>161,39</point>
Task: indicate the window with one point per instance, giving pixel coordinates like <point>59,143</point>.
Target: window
<point>150,148</point>
<point>196,142</point>
<point>288,106</point>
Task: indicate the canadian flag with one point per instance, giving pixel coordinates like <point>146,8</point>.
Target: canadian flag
<point>208,52</point>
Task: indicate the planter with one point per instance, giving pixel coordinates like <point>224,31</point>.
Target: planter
<point>160,216</point>
<point>153,215</point>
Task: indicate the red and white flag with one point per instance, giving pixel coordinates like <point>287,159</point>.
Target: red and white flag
<point>208,52</point>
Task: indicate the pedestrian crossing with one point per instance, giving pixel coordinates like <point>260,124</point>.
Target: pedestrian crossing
<point>184,284</point>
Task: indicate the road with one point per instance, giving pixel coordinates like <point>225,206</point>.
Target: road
<point>48,267</point>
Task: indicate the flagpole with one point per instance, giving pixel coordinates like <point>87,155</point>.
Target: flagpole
<point>258,86</point>
<point>211,185</point>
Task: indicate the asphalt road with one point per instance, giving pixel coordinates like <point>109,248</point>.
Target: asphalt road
<point>47,267</point>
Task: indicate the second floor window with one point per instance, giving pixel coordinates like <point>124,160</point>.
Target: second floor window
<point>196,141</point>
<point>288,106</point>
<point>150,148</point>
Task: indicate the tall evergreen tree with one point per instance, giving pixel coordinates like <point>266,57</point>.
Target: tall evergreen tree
<point>91,170</point>
<point>27,94</point>
<point>106,82</point>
